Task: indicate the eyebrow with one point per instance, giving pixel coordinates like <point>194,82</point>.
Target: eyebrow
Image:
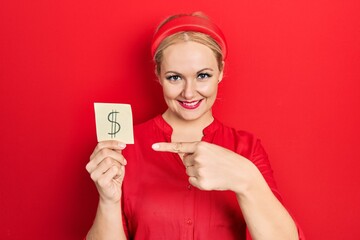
<point>205,69</point>
<point>209,69</point>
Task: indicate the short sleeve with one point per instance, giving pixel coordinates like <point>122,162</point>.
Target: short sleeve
<point>260,158</point>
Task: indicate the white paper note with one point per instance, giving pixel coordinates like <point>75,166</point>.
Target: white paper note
<point>114,122</point>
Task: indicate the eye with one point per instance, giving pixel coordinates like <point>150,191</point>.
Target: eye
<point>204,75</point>
<point>173,77</point>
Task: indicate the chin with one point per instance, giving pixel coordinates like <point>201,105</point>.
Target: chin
<point>191,116</point>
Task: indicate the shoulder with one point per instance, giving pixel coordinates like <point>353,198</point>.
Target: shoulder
<point>145,134</point>
<point>147,129</point>
<point>240,141</point>
<point>249,146</point>
<point>145,125</point>
<point>238,133</point>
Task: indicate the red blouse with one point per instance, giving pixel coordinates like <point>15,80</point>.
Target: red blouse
<point>158,201</point>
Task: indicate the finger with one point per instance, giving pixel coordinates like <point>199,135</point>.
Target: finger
<point>106,179</point>
<point>103,167</point>
<point>193,181</point>
<point>102,155</point>
<point>188,160</point>
<point>175,147</point>
<point>111,144</point>
<point>191,171</point>
<point>120,172</point>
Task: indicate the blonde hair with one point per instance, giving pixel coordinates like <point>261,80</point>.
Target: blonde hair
<point>186,36</point>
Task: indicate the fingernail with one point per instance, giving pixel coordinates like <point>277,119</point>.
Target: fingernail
<point>155,146</point>
<point>122,145</point>
<point>125,162</point>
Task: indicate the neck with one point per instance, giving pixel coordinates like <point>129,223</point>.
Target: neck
<point>187,130</point>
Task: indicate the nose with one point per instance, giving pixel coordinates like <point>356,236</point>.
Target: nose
<point>189,90</point>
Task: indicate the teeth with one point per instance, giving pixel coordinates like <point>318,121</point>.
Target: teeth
<point>191,104</point>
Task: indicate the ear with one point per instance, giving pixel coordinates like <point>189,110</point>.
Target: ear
<point>157,75</point>
<point>155,71</point>
<point>221,75</point>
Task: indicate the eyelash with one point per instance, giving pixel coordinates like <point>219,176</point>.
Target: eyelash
<point>177,77</point>
<point>172,77</point>
<point>204,75</point>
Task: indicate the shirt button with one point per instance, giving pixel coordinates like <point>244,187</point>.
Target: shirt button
<point>189,187</point>
<point>188,221</point>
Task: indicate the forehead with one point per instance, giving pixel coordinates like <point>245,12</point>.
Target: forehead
<point>186,56</point>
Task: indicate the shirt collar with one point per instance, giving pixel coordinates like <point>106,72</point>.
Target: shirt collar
<point>167,129</point>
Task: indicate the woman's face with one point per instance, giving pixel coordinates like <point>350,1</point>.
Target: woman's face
<point>189,77</point>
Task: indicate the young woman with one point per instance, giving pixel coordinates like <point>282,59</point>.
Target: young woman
<point>187,176</point>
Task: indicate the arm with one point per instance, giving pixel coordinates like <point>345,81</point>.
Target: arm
<point>107,170</point>
<point>211,167</point>
<point>265,216</point>
<point>108,223</point>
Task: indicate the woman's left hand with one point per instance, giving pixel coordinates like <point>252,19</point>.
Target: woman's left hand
<point>211,167</point>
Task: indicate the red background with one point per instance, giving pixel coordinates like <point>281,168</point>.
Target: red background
<point>292,78</point>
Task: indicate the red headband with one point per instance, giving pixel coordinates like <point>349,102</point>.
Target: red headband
<point>189,23</point>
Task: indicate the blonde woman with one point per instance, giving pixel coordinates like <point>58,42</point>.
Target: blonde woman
<point>188,176</point>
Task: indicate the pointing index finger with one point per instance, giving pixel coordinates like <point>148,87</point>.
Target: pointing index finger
<point>175,147</point>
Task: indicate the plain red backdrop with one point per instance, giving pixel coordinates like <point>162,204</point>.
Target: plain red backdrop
<point>292,78</point>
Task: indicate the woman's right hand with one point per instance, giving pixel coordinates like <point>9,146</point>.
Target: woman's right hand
<point>107,169</point>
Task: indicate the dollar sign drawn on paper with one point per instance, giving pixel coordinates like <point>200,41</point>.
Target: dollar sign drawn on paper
<point>115,126</point>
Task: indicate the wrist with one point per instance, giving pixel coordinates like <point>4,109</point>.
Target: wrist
<point>108,204</point>
<point>110,211</point>
<point>108,221</point>
<point>249,183</point>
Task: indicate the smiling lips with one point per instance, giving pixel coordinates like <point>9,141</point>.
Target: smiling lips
<point>190,105</point>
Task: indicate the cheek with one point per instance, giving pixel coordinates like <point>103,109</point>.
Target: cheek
<point>208,90</point>
<point>171,91</point>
